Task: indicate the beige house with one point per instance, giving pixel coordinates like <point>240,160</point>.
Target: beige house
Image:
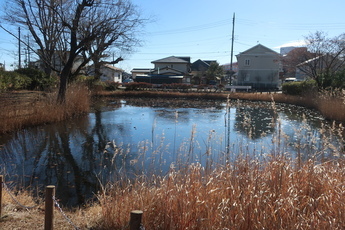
<point>259,68</point>
<point>111,73</point>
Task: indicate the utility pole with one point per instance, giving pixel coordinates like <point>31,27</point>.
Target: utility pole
<point>19,49</point>
<point>232,44</point>
<point>28,47</point>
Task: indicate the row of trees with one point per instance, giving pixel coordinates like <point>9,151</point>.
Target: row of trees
<point>67,30</point>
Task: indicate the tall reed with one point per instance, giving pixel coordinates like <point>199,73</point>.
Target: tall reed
<point>43,109</point>
<point>246,195</point>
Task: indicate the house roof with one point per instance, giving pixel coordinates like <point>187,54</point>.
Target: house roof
<point>173,59</point>
<point>113,68</point>
<point>258,49</point>
<point>167,69</point>
<point>201,65</point>
<point>310,60</point>
<point>141,70</point>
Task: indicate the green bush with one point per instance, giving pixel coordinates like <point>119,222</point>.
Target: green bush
<point>39,80</point>
<point>299,88</point>
<point>10,80</point>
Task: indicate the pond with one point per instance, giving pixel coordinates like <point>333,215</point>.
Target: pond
<point>123,138</point>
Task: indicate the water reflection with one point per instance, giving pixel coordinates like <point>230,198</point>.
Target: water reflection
<point>255,122</point>
<point>121,139</point>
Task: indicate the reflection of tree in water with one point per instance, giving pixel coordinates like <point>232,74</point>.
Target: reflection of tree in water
<point>255,121</point>
<point>68,155</point>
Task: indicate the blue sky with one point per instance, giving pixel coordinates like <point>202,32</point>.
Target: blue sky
<point>202,29</point>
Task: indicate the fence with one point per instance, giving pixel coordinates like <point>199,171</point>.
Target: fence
<point>50,201</point>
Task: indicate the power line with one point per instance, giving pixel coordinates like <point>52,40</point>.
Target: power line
<point>193,28</point>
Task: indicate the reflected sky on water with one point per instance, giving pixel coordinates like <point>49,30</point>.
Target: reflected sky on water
<point>129,137</point>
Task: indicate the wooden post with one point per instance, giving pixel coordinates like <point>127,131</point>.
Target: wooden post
<point>1,186</point>
<point>49,207</point>
<point>135,221</point>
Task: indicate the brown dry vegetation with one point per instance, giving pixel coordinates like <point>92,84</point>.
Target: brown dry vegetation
<point>15,216</point>
<point>243,195</point>
<point>246,194</point>
<point>27,108</point>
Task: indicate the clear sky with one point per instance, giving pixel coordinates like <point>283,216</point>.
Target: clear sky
<point>202,29</point>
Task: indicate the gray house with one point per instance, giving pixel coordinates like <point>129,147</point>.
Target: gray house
<point>168,70</point>
<point>259,68</point>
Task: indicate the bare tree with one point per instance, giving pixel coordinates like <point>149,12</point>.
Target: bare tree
<point>73,29</point>
<point>116,36</point>
<point>323,58</point>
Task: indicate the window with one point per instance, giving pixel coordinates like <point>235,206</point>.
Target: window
<point>247,77</point>
<point>247,62</point>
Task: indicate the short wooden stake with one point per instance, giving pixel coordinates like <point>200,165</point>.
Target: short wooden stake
<point>1,186</point>
<point>49,207</point>
<point>135,221</point>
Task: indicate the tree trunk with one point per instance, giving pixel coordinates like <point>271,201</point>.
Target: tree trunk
<point>62,89</point>
<point>64,77</point>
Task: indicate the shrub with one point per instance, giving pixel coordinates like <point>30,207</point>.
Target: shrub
<point>10,80</point>
<point>39,80</point>
<point>299,88</point>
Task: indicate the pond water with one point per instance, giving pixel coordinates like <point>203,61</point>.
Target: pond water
<point>129,137</point>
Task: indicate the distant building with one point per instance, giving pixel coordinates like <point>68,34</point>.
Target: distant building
<point>166,70</point>
<point>286,50</point>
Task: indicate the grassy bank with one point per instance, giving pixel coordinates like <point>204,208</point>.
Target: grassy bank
<point>273,194</point>
<point>28,108</point>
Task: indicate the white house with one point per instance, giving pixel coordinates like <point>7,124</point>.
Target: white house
<point>259,68</point>
<point>111,73</point>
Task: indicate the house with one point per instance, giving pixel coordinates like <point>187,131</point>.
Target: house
<point>198,71</point>
<point>58,60</point>
<point>168,70</point>
<point>259,68</point>
<point>143,72</point>
<point>108,73</point>
<point>111,73</point>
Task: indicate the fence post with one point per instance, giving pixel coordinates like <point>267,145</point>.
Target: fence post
<point>49,207</point>
<point>1,186</point>
<point>135,221</point>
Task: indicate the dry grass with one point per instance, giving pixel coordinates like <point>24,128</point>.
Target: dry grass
<point>244,195</point>
<point>23,109</point>
<point>15,216</point>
